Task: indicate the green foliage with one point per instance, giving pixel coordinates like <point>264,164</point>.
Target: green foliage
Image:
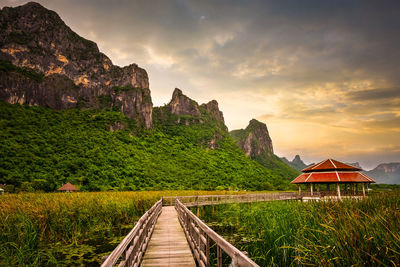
<point>327,233</point>
<point>104,101</point>
<point>67,229</point>
<point>77,146</point>
<point>6,66</point>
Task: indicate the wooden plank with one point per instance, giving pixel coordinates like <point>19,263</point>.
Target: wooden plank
<point>168,245</point>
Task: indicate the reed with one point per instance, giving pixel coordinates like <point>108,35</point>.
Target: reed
<point>31,224</point>
<point>348,233</point>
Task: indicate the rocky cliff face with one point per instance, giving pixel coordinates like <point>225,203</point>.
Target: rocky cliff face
<point>213,110</point>
<point>43,62</point>
<point>254,140</point>
<point>180,104</point>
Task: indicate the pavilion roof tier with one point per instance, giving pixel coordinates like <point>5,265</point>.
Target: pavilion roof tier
<point>68,187</point>
<point>330,165</point>
<point>333,177</point>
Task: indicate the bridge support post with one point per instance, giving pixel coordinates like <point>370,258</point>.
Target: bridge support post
<point>219,256</point>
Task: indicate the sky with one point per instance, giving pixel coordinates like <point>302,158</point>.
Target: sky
<point>323,75</point>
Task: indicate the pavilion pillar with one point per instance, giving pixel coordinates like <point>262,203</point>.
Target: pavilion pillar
<point>299,189</point>
<point>367,188</point>
<point>363,186</point>
<point>311,190</point>
<point>338,190</point>
<point>327,187</point>
<point>356,188</point>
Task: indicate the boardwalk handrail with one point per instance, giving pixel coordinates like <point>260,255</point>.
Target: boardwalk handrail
<point>202,200</point>
<point>135,243</point>
<point>198,235</point>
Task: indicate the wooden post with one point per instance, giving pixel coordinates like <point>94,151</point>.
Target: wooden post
<point>299,189</point>
<point>208,251</point>
<point>219,256</point>
<point>338,190</point>
<point>363,186</point>
<point>327,187</point>
<point>356,189</point>
<point>311,186</point>
<point>367,188</point>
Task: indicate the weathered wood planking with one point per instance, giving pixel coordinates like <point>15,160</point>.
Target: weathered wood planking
<point>168,245</point>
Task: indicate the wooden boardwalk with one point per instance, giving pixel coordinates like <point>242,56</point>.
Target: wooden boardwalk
<point>168,245</point>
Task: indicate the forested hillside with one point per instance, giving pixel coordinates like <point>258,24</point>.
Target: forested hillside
<point>42,148</point>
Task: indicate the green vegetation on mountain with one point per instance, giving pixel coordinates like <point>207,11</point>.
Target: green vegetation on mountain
<point>42,148</point>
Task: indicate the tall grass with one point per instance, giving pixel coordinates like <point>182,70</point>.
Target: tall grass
<point>31,224</point>
<point>348,233</point>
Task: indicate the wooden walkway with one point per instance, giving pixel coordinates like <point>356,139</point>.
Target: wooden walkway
<point>168,245</point>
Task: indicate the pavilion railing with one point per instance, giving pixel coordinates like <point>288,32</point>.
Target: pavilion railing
<point>190,201</point>
<point>133,246</point>
<point>331,193</point>
<point>199,236</point>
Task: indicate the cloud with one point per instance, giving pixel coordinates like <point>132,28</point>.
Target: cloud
<point>374,94</point>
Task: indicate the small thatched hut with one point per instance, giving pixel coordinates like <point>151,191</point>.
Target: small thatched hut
<point>68,187</point>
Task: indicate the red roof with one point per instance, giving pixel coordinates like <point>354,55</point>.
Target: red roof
<point>330,164</point>
<point>68,187</point>
<point>332,177</point>
<point>332,171</point>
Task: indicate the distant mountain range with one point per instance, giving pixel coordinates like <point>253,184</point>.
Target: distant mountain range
<point>297,163</point>
<point>386,173</point>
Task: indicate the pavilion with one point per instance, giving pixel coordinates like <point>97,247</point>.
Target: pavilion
<point>68,187</point>
<point>344,177</point>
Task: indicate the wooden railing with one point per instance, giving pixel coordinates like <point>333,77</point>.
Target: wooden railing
<point>132,247</point>
<point>199,236</point>
<point>332,194</point>
<point>190,201</point>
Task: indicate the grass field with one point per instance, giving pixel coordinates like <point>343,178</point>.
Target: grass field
<point>40,229</point>
<point>348,233</point>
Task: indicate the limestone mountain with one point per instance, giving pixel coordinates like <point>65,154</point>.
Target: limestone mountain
<point>182,110</point>
<point>386,173</point>
<point>256,143</point>
<point>254,140</point>
<point>92,135</point>
<point>297,163</point>
<point>43,62</point>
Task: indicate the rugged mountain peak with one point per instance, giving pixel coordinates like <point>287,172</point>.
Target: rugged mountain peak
<point>297,159</point>
<point>213,109</point>
<point>68,70</point>
<point>254,140</point>
<point>182,105</point>
<point>297,163</point>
